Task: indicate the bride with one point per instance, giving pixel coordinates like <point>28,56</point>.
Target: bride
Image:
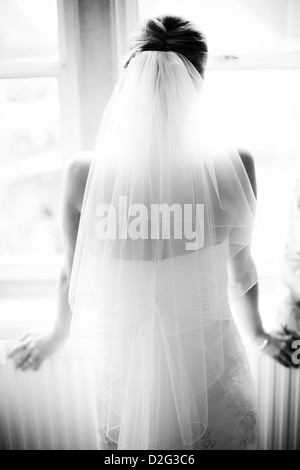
<point>158,224</point>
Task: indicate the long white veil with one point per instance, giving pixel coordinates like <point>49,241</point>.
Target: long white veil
<point>159,191</point>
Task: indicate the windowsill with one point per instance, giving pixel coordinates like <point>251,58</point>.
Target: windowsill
<point>22,313</point>
<point>23,279</point>
<point>24,269</point>
<point>26,305</point>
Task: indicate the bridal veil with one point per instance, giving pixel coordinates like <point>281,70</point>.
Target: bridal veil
<point>160,191</point>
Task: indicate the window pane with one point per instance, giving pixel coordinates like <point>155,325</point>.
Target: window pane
<point>237,26</point>
<point>30,163</point>
<point>28,30</point>
<point>258,110</point>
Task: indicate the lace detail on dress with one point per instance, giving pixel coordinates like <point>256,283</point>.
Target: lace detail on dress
<point>237,372</point>
<point>232,417</point>
<point>206,442</point>
<point>247,417</point>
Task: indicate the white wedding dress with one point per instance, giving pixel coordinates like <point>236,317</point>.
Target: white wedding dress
<point>150,385</point>
<point>171,369</point>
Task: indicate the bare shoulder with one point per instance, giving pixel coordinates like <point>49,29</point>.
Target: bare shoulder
<point>249,165</point>
<point>76,174</point>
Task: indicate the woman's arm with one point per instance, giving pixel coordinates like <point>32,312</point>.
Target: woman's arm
<point>279,344</point>
<point>36,346</point>
<point>242,271</point>
<point>73,190</point>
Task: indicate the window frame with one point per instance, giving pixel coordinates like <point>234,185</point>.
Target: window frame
<point>264,61</point>
<point>15,272</point>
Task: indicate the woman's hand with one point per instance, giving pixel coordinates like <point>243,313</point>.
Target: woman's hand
<point>279,346</point>
<point>34,347</point>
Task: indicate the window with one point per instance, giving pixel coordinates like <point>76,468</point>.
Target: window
<point>29,31</point>
<point>37,132</point>
<point>29,134</point>
<point>58,64</point>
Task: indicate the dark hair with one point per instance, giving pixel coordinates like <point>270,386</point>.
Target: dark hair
<point>170,33</point>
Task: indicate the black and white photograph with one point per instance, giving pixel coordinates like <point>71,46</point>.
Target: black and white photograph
<point>150,227</point>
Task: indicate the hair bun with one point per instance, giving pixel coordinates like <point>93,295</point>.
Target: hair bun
<point>170,33</point>
<point>156,33</point>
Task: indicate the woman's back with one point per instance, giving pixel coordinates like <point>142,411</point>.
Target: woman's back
<point>220,202</point>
